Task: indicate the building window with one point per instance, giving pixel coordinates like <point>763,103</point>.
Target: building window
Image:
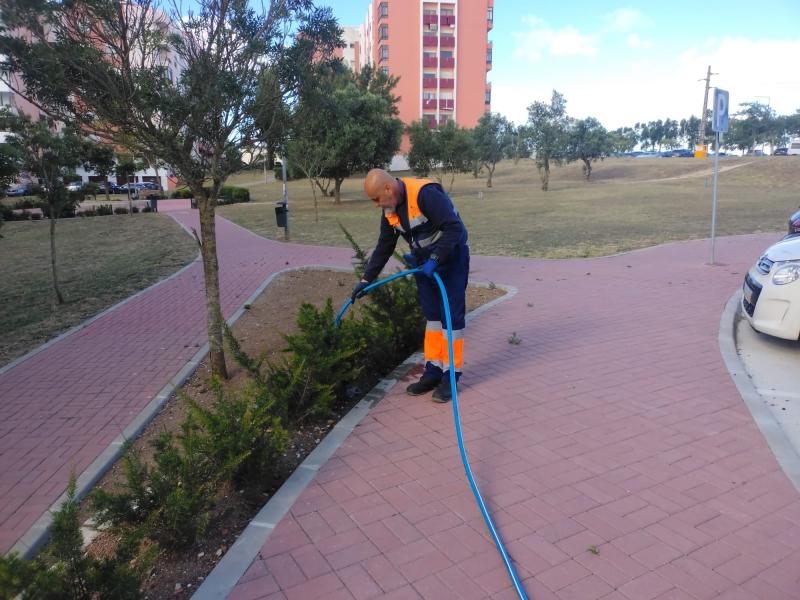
<point>352,45</point>
<point>489,55</point>
<point>384,53</point>
<point>448,12</point>
<point>447,54</point>
<point>383,32</point>
<point>383,10</point>
<point>385,71</point>
<point>429,75</point>
<point>488,98</point>
<point>490,16</point>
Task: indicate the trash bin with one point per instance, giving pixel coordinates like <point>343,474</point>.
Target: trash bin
<point>281,214</point>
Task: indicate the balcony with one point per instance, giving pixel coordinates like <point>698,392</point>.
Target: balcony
<point>447,20</point>
<point>448,63</point>
<point>447,84</point>
<point>429,83</point>
<point>429,40</point>
<point>448,104</point>
<point>430,61</point>
<point>430,19</point>
<point>429,103</point>
<point>448,41</point>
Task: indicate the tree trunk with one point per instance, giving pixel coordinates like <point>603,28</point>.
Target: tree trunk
<point>316,204</point>
<point>56,289</point>
<point>491,172</point>
<point>108,194</point>
<point>337,191</point>
<point>546,175</point>
<point>587,168</point>
<point>208,251</point>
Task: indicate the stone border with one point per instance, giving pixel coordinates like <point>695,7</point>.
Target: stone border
<point>228,571</point>
<point>774,435</point>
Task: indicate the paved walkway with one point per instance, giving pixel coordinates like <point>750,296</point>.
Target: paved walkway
<point>611,445</point>
<point>62,407</point>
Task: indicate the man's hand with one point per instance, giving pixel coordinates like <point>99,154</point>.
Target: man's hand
<point>411,260</point>
<point>429,267</point>
<point>358,291</point>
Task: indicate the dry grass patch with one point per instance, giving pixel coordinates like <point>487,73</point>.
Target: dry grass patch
<point>103,260</point>
<point>629,203</point>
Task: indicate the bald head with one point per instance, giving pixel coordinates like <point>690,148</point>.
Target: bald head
<point>382,188</point>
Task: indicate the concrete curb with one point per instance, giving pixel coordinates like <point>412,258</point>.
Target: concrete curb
<point>780,445</point>
<point>221,581</point>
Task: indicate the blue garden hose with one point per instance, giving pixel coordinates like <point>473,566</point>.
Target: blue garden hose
<point>495,536</point>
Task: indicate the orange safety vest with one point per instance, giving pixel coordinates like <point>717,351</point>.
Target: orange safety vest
<point>415,216</point>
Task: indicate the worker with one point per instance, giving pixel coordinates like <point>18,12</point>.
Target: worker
<point>421,212</point>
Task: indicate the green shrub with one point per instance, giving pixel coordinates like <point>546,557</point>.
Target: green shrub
<point>181,193</point>
<point>322,359</point>
<point>27,203</point>
<point>120,211</point>
<point>36,216</point>
<point>147,209</point>
<point>63,570</point>
<point>134,209</point>
<point>168,502</point>
<point>392,316</point>
<point>241,434</point>
<point>104,209</point>
<point>231,195</point>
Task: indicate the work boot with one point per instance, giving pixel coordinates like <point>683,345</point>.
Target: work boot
<point>423,386</point>
<point>443,393</point>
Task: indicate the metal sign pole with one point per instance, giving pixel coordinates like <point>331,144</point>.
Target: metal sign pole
<point>285,198</point>
<point>714,201</point>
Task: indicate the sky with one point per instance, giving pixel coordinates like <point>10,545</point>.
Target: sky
<point>636,61</point>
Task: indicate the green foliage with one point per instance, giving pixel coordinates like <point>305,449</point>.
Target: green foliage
<point>393,323</point>
<point>63,570</point>
<point>120,211</point>
<point>321,360</point>
<point>229,194</point>
<point>104,209</point>
<point>443,152</point>
<point>347,125</point>
<point>493,134</point>
<point>169,501</point>
<point>588,141</point>
<point>547,131</point>
<point>241,434</point>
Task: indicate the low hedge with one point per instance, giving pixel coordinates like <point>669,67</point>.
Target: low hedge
<point>228,194</point>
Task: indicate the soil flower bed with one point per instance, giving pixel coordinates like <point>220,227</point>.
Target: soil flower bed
<point>260,333</point>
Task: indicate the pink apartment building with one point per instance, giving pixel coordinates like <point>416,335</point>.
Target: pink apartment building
<point>440,51</point>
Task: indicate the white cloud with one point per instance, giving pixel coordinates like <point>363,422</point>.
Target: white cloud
<point>634,41</point>
<point>541,39</point>
<point>625,19</point>
<point>643,90</point>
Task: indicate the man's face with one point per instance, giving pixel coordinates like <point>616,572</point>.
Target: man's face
<point>385,198</point>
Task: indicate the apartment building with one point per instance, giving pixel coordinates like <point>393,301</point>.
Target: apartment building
<point>440,51</point>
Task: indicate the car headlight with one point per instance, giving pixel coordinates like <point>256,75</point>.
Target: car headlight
<point>786,273</point>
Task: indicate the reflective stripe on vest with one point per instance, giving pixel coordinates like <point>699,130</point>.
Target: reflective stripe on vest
<point>415,216</point>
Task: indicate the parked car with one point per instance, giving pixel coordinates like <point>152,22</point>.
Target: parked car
<point>21,189</point>
<point>781,152</point>
<point>771,289</point>
<point>75,186</point>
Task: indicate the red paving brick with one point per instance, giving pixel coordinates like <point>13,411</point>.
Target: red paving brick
<point>613,425</point>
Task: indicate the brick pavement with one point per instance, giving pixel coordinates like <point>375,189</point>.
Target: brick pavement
<point>62,407</point>
<point>613,426</point>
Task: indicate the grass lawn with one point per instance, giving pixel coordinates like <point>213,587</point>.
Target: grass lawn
<point>103,260</point>
<point>630,203</point>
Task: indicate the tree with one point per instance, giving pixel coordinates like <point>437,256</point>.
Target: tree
<point>100,159</point>
<point>350,123</point>
<point>547,128</point>
<point>588,141</point>
<point>492,136</point>
<point>623,139</point>
<point>109,66</point>
<point>519,144</point>
<point>50,156</point>
<point>443,152</point>
<point>755,124</point>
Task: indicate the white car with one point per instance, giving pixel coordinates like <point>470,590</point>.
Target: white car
<point>771,291</point>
